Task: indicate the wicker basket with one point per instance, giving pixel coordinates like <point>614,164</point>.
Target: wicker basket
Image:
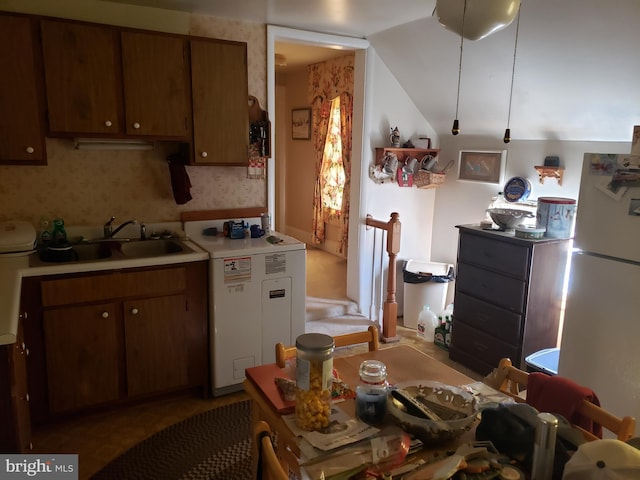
<point>426,179</point>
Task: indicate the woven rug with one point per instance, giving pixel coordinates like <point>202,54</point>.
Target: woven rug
<point>214,445</point>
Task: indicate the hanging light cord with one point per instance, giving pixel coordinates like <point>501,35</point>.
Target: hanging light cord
<point>455,130</point>
<point>507,135</point>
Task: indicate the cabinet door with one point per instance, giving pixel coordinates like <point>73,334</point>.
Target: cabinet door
<point>155,344</point>
<point>15,422</point>
<point>220,103</point>
<point>20,392</point>
<point>156,85</point>
<point>21,107</point>
<point>82,356</point>
<point>83,77</point>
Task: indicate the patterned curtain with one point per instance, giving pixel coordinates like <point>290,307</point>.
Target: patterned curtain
<point>346,114</point>
<point>319,125</point>
<point>328,80</point>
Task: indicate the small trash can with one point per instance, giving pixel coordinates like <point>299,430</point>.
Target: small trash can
<point>543,361</point>
<point>425,283</point>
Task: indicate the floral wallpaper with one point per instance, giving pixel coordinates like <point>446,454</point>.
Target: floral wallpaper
<point>87,187</point>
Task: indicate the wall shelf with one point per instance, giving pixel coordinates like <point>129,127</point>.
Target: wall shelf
<point>550,172</point>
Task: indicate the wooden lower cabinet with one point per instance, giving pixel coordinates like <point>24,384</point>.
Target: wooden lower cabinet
<point>155,344</point>
<point>105,338</point>
<point>15,421</point>
<point>82,353</point>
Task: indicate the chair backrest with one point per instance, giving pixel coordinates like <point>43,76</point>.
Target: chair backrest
<point>369,336</point>
<point>269,467</point>
<point>514,381</point>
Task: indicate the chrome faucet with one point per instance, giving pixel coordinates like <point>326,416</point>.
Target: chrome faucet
<point>108,227</point>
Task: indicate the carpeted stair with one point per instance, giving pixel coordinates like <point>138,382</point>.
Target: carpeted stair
<point>334,317</point>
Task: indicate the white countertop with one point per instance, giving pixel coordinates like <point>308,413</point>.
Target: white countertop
<point>14,267</point>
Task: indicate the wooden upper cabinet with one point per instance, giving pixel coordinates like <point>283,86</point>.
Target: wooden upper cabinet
<point>220,108</point>
<point>83,78</point>
<point>106,81</point>
<point>21,103</point>
<point>156,85</point>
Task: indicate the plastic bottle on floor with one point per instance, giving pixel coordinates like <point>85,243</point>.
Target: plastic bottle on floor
<point>427,323</point>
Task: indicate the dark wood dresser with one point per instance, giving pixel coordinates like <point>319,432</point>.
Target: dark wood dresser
<point>508,297</point>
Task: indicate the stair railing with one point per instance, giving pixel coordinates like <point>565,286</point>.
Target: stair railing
<point>390,310</point>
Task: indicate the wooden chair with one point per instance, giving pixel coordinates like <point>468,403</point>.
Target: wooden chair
<point>269,467</point>
<point>513,382</point>
<point>369,336</point>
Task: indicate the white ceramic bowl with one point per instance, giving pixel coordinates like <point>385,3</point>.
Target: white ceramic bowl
<point>509,218</point>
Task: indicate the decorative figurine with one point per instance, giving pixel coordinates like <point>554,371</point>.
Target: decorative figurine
<point>394,138</point>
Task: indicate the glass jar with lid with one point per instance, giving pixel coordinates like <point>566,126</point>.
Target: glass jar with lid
<point>371,393</point>
<point>314,369</point>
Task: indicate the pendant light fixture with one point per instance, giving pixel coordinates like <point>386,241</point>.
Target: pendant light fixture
<point>507,132</point>
<point>483,17</point>
<point>455,130</point>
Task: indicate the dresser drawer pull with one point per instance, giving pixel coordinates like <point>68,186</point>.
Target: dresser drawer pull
<point>105,314</point>
<point>483,317</point>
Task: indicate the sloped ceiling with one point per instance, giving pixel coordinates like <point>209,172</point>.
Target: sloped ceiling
<point>577,68</point>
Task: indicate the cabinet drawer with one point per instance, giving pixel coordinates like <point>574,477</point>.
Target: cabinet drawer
<point>477,344</point>
<point>494,288</point>
<point>154,282</point>
<point>79,290</point>
<point>94,288</point>
<point>499,256</point>
<point>488,318</point>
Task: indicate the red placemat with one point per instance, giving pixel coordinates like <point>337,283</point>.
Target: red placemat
<point>263,377</point>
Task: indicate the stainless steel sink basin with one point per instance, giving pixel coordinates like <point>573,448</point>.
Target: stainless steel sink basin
<point>92,251</point>
<point>152,248</point>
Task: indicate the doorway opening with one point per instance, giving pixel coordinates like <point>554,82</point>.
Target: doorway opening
<point>292,174</point>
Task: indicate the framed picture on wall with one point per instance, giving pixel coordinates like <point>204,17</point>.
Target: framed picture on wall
<point>301,123</point>
<point>486,166</point>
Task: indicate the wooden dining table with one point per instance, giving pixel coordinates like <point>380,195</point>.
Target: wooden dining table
<point>404,363</point>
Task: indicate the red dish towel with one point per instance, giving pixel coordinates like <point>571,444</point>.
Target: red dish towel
<point>554,394</point>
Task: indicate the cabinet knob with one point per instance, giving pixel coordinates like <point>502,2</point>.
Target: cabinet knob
<point>30,150</point>
<point>105,314</point>
<point>134,311</point>
<point>136,125</point>
<point>108,123</point>
<point>204,154</point>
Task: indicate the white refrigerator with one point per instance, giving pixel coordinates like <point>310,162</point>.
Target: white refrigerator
<point>600,345</point>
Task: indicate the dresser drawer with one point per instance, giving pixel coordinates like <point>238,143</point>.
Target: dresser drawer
<point>503,257</point>
<point>494,288</point>
<point>496,321</point>
<point>486,348</point>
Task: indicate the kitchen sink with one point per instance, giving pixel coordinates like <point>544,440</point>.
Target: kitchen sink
<point>110,250</point>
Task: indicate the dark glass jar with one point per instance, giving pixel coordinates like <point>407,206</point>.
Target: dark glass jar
<point>371,393</point>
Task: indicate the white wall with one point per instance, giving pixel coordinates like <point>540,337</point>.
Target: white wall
<point>388,106</point>
<point>465,202</point>
<point>392,107</point>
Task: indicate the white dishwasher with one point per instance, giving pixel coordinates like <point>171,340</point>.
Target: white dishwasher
<point>257,296</point>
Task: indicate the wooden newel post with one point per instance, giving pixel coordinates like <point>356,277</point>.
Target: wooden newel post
<point>390,309</point>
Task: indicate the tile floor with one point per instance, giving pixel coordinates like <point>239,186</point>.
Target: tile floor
<point>98,438</point>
